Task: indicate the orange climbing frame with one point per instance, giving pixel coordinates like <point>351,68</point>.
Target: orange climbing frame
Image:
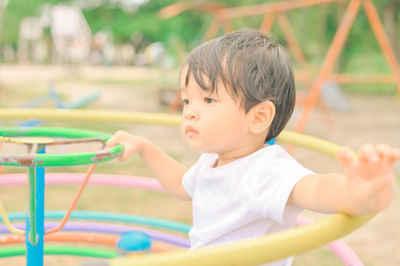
<point>277,11</point>
<point>269,20</point>
<point>333,53</point>
<point>75,237</point>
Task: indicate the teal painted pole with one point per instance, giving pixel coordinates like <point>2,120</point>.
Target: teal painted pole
<point>35,217</point>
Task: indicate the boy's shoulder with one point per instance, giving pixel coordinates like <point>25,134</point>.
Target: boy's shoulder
<point>272,161</point>
<point>269,157</point>
<point>271,153</point>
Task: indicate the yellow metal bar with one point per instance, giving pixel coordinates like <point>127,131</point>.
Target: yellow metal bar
<point>92,115</point>
<point>309,142</point>
<point>256,251</point>
<point>248,252</point>
<point>7,222</point>
<point>11,140</point>
<point>26,140</point>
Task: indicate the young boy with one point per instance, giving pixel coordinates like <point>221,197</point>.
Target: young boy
<point>238,92</point>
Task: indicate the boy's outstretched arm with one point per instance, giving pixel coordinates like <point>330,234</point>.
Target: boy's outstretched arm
<point>168,171</point>
<point>365,188</point>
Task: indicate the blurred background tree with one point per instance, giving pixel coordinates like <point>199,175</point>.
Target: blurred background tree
<point>314,27</point>
<point>190,26</point>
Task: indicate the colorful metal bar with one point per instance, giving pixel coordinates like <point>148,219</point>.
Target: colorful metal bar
<point>63,250</point>
<point>329,62</point>
<point>44,160</point>
<point>35,219</point>
<point>31,218</point>
<point>92,115</point>
<point>112,217</point>
<point>104,228</point>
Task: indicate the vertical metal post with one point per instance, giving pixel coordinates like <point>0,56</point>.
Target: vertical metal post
<point>35,217</point>
<point>383,40</point>
<point>333,53</point>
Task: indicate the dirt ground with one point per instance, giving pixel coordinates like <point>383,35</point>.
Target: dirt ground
<point>371,118</point>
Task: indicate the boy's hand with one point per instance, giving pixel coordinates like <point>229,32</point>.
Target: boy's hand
<point>132,144</point>
<point>369,177</point>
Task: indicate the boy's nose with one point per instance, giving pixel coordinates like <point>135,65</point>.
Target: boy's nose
<point>189,114</point>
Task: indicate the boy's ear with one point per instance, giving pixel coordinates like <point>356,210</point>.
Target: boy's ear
<point>261,118</point>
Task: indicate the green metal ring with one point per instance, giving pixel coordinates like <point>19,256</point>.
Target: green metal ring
<point>62,250</point>
<point>45,160</point>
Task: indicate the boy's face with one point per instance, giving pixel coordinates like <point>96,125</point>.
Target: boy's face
<point>212,123</point>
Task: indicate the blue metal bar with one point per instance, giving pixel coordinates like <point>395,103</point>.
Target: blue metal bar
<point>34,249</point>
<point>110,217</point>
<point>31,234</point>
<point>82,101</point>
<point>56,98</point>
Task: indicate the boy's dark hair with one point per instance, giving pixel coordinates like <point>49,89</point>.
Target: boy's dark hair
<point>253,69</point>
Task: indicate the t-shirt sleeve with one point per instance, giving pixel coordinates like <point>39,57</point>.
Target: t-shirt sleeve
<point>190,177</point>
<point>271,193</point>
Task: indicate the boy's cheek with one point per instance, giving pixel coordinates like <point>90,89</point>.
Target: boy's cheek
<point>182,130</point>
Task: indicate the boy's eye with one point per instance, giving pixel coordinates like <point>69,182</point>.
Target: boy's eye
<point>185,101</point>
<point>209,100</point>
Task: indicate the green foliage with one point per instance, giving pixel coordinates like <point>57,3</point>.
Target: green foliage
<point>15,11</point>
<point>188,26</point>
<point>191,25</point>
<point>314,28</point>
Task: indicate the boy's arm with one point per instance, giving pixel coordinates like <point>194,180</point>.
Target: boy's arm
<point>365,188</point>
<point>168,171</point>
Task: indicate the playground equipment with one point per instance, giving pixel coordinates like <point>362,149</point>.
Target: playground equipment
<point>71,40</point>
<point>276,11</point>
<point>54,96</point>
<point>249,252</point>
<point>31,47</point>
<point>35,160</point>
<point>211,8</point>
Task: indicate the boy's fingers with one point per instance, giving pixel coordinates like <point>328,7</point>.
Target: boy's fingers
<point>383,149</point>
<point>111,142</point>
<point>346,157</point>
<point>346,154</point>
<point>115,139</point>
<point>368,154</point>
<point>388,154</point>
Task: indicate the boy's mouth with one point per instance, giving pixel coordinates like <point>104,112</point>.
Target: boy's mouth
<point>189,130</point>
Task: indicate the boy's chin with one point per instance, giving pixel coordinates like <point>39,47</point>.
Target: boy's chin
<point>198,148</point>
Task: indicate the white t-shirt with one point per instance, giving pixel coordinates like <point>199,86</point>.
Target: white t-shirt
<point>243,199</point>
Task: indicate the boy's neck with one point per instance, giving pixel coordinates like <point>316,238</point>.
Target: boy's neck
<point>230,156</point>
